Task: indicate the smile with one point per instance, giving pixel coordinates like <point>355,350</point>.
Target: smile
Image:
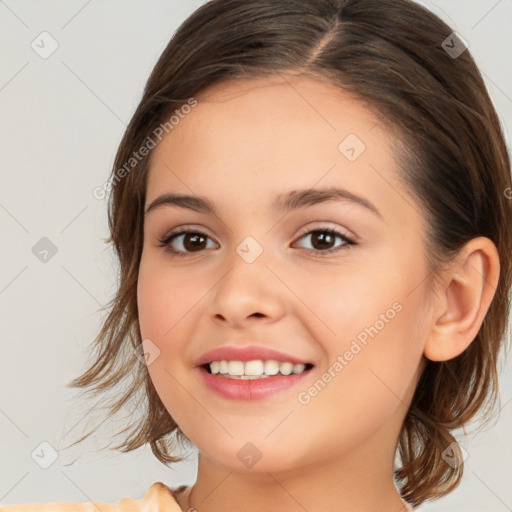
<point>251,380</point>
<point>257,368</point>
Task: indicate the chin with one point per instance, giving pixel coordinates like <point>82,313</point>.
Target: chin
<point>248,456</point>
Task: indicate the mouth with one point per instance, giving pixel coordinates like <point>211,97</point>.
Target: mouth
<point>253,380</point>
<point>255,369</point>
<point>251,372</point>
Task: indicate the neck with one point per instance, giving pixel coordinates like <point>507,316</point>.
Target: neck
<point>361,480</point>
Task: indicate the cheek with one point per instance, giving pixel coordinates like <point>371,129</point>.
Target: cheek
<point>164,296</point>
<point>371,366</point>
<point>377,291</point>
<point>371,315</point>
<point>163,303</point>
<point>346,299</point>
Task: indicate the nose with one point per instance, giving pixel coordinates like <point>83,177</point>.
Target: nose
<point>248,292</point>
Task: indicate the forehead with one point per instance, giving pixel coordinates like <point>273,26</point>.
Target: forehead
<point>258,138</point>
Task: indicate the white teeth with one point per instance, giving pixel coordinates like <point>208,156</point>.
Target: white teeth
<point>247,377</point>
<point>254,369</point>
<point>286,368</point>
<point>236,368</point>
<point>299,368</point>
<point>271,367</point>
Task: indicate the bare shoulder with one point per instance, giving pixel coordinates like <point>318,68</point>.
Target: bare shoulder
<point>157,497</point>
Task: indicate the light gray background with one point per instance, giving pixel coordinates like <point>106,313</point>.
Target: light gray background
<point>61,119</point>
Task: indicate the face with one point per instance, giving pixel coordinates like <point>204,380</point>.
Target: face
<point>334,281</point>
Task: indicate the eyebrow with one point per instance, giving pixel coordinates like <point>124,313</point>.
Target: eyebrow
<point>293,200</point>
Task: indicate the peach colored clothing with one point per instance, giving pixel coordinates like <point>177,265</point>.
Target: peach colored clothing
<point>158,498</point>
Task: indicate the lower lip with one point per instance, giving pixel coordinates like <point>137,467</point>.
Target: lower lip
<point>254,389</point>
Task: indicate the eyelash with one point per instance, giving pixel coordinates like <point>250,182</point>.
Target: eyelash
<point>167,239</point>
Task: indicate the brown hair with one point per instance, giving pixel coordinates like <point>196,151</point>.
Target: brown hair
<point>452,158</point>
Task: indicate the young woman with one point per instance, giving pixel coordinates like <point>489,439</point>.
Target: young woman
<point>311,215</point>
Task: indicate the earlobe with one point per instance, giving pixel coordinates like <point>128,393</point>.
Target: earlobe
<point>464,299</point>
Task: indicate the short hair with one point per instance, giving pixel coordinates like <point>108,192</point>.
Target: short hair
<point>413,71</point>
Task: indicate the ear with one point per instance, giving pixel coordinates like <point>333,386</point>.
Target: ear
<point>463,300</point>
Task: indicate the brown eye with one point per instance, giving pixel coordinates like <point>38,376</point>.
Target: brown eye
<point>185,242</point>
<point>324,241</point>
<point>194,241</point>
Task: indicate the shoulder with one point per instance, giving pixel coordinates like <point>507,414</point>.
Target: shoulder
<point>158,497</point>
<point>162,498</point>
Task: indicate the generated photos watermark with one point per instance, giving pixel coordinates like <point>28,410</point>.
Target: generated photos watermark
<point>342,360</point>
<point>150,143</point>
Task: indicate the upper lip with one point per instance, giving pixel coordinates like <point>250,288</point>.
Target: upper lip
<point>249,353</point>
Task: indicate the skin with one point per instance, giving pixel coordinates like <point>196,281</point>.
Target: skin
<point>242,145</point>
